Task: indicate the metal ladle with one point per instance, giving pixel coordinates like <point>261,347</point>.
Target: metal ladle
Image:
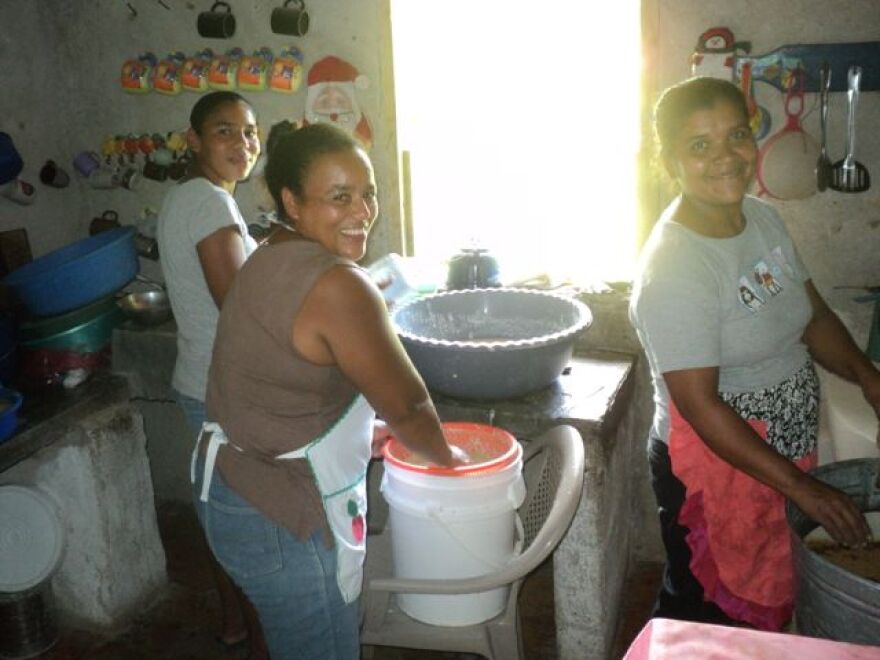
<point>849,175</point>
<point>823,164</point>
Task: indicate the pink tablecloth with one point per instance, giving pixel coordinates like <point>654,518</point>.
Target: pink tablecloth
<point>665,639</point>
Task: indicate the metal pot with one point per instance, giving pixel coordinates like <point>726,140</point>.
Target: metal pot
<point>473,268</point>
<point>831,602</point>
<point>146,307</point>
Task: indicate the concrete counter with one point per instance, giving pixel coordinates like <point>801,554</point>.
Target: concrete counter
<point>85,449</point>
<point>146,355</point>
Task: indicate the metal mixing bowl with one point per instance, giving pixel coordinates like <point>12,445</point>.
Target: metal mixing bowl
<point>490,343</point>
<point>146,307</point>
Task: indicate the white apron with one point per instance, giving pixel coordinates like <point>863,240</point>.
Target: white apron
<point>338,460</point>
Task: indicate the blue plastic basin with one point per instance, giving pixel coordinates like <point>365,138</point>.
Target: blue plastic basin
<point>11,401</point>
<point>77,274</point>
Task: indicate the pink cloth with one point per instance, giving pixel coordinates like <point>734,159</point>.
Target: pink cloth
<point>665,639</point>
<point>737,533</point>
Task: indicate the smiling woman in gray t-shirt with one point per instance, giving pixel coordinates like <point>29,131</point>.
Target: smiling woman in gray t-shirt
<point>730,321</point>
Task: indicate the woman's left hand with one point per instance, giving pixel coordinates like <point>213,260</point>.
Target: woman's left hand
<point>381,434</point>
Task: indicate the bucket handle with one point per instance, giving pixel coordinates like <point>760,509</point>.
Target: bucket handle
<point>492,563</point>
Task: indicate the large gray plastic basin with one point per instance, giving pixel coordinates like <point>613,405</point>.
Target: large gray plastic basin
<point>490,343</point>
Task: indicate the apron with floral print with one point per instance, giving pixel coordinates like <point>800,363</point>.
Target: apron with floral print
<point>338,460</point>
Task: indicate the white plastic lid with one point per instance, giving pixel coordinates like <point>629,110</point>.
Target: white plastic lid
<point>31,538</point>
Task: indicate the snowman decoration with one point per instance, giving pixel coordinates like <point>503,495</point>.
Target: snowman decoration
<point>715,53</point>
<point>331,99</point>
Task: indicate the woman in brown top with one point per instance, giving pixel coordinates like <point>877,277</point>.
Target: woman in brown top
<point>304,353</point>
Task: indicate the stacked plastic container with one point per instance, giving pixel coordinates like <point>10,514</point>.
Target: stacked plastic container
<point>70,294</point>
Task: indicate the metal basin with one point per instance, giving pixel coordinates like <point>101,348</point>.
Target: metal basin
<point>832,602</point>
<point>146,307</point>
<point>490,343</point>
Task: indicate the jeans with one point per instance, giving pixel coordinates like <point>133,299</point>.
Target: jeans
<point>194,410</point>
<point>291,583</point>
<point>681,595</point>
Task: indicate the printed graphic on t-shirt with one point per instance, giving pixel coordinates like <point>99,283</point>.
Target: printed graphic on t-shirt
<point>779,258</point>
<point>764,278</point>
<point>748,296</point>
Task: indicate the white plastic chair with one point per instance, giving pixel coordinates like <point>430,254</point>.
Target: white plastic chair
<point>553,471</point>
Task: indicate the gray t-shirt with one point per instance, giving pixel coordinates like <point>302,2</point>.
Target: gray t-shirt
<point>191,212</point>
<point>736,303</point>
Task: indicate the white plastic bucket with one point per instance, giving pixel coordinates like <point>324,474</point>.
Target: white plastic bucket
<point>454,523</point>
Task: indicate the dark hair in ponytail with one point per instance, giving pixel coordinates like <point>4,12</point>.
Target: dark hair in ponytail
<point>292,152</point>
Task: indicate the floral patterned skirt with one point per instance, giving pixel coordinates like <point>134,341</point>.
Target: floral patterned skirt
<point>737,533</point>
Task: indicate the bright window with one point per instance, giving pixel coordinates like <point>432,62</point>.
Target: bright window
<point>522,123</point>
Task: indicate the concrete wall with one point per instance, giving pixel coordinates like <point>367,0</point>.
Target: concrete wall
<point>837,234</point>
<point>61,95</point>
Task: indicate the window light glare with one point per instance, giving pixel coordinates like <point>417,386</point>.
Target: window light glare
<point>522,124</point>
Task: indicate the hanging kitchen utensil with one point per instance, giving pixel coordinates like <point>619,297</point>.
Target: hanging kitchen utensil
<point>787,160</point>
<point>759,118</point>
<point>823,164</point>
<point>849,175</point>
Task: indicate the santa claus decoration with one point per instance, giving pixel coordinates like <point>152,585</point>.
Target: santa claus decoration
<point>331,99</point>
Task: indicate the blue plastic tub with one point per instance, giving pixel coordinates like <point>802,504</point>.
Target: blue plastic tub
<point>10,402</point>
<point>77,274</point>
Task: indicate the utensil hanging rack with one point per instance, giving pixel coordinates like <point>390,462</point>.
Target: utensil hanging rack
<point>776,67</point>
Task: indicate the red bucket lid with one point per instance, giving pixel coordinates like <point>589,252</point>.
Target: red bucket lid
<point>491,448</point>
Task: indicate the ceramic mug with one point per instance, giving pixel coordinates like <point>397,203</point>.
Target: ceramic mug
<point>163,157</point>
<point>216,24</point>
<point>20,192</point>
<point>86,162</point>
<point>130,178</point>
<point>154,171</point>
<point>177,169</point>
<point>293,20</point>
<point>54,176</point>
<point>11,163</point>
<point>104,178</point>
<point>108,220</point>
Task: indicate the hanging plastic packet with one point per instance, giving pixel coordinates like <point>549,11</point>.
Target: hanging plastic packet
<point>131,147</point>
<point>147,145</point>
<point>223,73</point>
<point>286,73</point>
<point>166,75</point>
<point>194,73</point>
<point>176,143</point>
<point>253,72</point>
<point>137,74</point>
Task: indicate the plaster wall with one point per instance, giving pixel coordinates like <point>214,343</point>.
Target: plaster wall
<point>62,95</point>
<point>837,234</point>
